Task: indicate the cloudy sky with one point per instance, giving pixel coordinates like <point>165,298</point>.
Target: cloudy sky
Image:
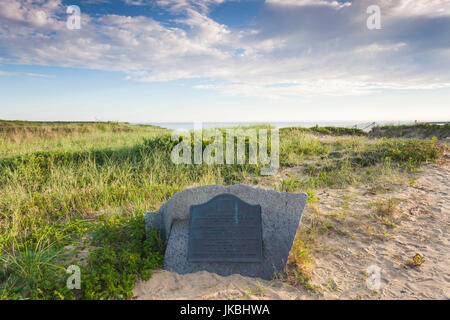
<point>225,60</point>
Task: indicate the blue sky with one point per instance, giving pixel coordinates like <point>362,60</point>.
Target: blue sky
<point>225,60</point>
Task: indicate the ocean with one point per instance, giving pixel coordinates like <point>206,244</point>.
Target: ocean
<point>348,124</point>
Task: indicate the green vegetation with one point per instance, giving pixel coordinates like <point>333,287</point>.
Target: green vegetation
<point>76,193</point>
<point>334,131</point>
<point>416,261</point>
<point>123,254</point>
<point>417,130</point>
<point>387,207</point>
<point>337,162</point>
<point>302,257</point>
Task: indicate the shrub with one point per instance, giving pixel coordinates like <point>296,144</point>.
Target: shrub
<point>125,254</point>
<point>335,131</point>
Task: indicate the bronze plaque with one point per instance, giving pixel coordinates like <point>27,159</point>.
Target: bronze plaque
<point>225,229</point>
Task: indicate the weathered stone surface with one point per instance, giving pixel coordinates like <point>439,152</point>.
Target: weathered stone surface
<point>281,213</point>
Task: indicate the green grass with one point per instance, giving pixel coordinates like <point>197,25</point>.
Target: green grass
<point>17,138</point>
<point>417,130</point>
<point>68,188</point>
<point>334,131</point>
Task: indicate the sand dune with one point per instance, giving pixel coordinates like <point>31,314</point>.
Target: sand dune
<point>421,224</point>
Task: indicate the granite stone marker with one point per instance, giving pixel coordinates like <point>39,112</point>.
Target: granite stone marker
<point>280,217</point>
<point>225,229</point>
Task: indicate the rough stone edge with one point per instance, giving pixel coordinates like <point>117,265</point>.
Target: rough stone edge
<point>169,211</point>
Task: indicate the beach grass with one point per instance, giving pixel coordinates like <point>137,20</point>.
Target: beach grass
<point>76,193</point>
<point>417,130</point>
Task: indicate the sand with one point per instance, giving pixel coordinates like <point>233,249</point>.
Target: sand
<point>354,239</point>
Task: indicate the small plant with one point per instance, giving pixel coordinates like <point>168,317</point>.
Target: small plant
<point>31,263</point>
<point>370,231</point>
<point>311,195</point>
<point>389,222</point>
<point>331,284</point>
<point>32,271</point>
<point>326,225</point>
<point>299,278</point>
<point>259,289</point>
<point>289,185</point>
<point>247,293</point>
<point>416,261</point>
<point>302,257</point>
<point>386,207</point>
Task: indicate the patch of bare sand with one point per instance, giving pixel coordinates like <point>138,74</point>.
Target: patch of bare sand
<point>353,235</point>
<point>205,285</point>
<point>420,223</point>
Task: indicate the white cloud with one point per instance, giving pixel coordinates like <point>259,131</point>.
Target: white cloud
<point>328,3</point>
<point>320,49</point>
<point>433,8</point>
<point>37,14</point>
<point>137,2</point>
<point>26,74</point>
<point>184,5</point>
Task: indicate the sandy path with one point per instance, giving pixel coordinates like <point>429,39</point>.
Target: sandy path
<point>423,225</point>
<point>355,239</point>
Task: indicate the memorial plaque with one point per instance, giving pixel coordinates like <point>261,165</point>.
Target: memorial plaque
<point>225,229</point>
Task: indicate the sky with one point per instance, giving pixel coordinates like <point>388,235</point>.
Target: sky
<point>225,60</point>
